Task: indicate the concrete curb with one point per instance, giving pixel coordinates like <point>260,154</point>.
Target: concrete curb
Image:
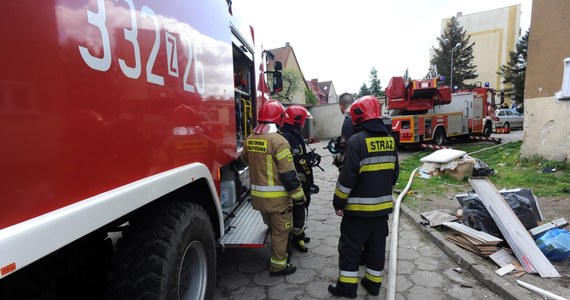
<point>467,261</point>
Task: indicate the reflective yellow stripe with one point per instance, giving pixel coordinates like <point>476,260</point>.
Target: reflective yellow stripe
<point>377,279</point>
<point>340,194</point>
<point>373,207</point>
<point>345,279</point>
<point>262,194</point>
<point>283,153</point>
<point>269,161</point>
<point>298,195</point>
<point>278,262</point>
<point>378,167</point>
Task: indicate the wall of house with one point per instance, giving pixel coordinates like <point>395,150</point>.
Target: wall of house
<point>547,130</point>
<point>332,97</point>
<point>299,96</point>
<point>495,33</point>
<point>327,121</point>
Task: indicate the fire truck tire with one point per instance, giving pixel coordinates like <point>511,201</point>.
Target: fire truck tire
<point>488,130</point>
<point>167,253</point>
<point>439,136</point>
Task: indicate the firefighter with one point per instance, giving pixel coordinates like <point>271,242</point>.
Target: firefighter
<point>363,198</point>
<point>274,182</point>
<point>344,102</point>
<point>294,122</point>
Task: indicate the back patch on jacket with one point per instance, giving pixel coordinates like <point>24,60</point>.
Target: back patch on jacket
<point>379,144</point>
<point>256,145</point>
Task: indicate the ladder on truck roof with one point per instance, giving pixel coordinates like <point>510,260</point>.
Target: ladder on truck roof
<point>246,228</point>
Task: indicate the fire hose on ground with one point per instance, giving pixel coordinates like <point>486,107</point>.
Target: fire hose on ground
<point>393,262</point>
<point>391,290</point>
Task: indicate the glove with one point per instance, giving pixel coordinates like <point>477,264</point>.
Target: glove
<point>300,202</point>
<point>338,204</point>
<point>337,161</point>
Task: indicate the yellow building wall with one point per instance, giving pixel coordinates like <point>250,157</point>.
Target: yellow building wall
<point>495,34</point>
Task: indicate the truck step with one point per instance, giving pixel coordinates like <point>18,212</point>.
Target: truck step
<point>247,229</point>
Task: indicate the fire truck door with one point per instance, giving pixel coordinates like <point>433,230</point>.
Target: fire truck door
<point>467,113</point>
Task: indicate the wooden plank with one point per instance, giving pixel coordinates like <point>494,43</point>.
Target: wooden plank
<point>463,245</point>
<point>461,241</point>
<point>547,226</point>
<point>436,218</point>
<point>476,234</point>
<point>504,270</point>
<point>502,258</point>
<point>524,247</point>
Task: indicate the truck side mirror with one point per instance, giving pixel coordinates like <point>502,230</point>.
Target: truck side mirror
<point>277,81</point>
<point>278,66</point>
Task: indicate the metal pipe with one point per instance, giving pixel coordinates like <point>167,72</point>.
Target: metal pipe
<point>545,294</point>
<point>391,290</point>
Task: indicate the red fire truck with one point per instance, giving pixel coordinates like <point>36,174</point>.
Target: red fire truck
<point>423,111</point>
<point>121,122</point>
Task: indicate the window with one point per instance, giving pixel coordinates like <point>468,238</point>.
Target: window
<point>564,94</point>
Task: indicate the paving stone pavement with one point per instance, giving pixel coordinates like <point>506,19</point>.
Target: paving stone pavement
<point>424,271</point>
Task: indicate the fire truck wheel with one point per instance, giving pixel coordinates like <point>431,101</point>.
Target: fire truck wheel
<point>166,253</point>
<point>439,137</point>
<point>488,130</point>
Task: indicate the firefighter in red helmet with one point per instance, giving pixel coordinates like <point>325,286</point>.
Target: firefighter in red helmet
<point>363,198</point>
<point>294,122</point>
<point>274,182</point>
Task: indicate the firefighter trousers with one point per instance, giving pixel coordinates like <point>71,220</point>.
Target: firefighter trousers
<point>355,233</point>
<point>280,224</point>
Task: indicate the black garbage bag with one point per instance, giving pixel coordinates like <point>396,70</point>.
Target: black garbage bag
<point>476,216</point>
<point>480,168</point>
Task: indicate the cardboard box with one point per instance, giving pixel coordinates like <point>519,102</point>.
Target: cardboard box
<point>462,171</point>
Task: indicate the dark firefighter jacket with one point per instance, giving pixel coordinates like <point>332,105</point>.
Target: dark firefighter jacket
<point>273,179</point>
<point>368,174</point>
<point>299,151</point>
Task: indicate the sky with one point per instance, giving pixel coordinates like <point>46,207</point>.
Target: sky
<point>341,41</point>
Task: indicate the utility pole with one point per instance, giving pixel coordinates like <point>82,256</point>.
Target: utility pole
<point>451,70</point>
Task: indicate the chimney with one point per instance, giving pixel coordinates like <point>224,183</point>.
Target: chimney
<point>287,44</point>
<point>459,14</point>
<point>315,81</point>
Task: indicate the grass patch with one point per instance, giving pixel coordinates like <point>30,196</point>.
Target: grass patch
<point>511,172</point>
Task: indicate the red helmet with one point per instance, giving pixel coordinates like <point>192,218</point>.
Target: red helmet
<point>184,115</point>
<point>364,109</point>
<point>272,111</point>
<point>296,115</point>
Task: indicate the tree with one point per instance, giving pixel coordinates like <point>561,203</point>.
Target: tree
<point>310,98</point>
<point>514,72</point>
<point>363,90</point>
<point>463,67</point>
<point>375,87</point>
<point>291,84</point>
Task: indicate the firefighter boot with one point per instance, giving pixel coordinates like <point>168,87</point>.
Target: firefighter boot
<point>298,241</point>
<point>337,290</point>
<point>371,287</point>
<point>288,270</point>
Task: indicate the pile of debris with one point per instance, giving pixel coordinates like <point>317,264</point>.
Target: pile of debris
<point>506,226</point>
<point>455,163</point>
